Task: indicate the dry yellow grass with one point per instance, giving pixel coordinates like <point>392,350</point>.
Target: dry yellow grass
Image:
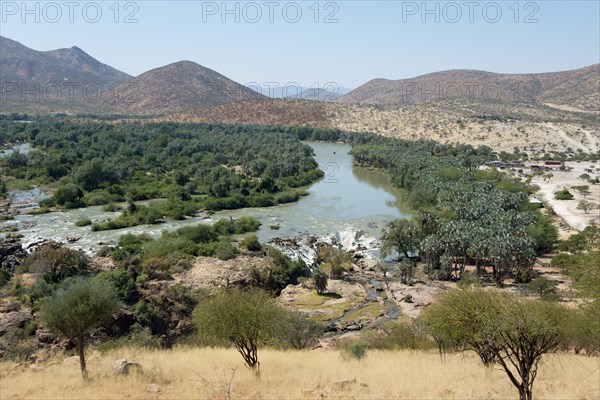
<point>202,373</point>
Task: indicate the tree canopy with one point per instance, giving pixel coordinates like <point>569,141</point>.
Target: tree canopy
<point>78,307</point>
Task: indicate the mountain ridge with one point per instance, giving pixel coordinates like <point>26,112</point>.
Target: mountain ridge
<point>577,87</point>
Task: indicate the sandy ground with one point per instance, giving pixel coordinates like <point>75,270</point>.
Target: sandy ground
<point>567,209</point>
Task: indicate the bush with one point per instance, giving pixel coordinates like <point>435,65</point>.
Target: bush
<point>56,263</point>
<point>320,280</point>
<point>4,277</point>
<point>238,226</point>
<point>197,234</point>
<point>355,350</point>
<point>297,331</point>
<point>397,335</point>
<point>563,195</point>
<point>225,251</point>
<point>83,222</point>
<point>544,288</point>
<point>251,243</point>
<point>69,195</point>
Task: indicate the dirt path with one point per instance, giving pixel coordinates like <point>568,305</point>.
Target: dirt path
<point>569,108</point>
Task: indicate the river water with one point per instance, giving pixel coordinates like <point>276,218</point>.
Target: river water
<point>349,206</point>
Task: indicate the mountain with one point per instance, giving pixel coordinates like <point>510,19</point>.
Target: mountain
<point>57,79</point>
<point>579,88</point>
<point>178,87</point>
<point>295,92</point>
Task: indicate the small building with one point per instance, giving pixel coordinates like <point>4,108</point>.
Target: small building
<point>552,163</point>
<point>537,202</point>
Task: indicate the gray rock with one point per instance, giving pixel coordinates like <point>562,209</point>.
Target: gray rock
<point>13,319</point>
<point>124,367</point>
<point>152,388</point>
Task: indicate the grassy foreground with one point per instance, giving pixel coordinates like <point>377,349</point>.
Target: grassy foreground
<point>204,373</point>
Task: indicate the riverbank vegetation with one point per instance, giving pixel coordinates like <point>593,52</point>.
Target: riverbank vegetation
<point>192,166</point>
<point>475,227</point>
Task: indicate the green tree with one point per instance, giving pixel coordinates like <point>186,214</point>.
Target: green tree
<point>3,188</point>
<point>401,236</point>
<point>586,206</point>
<point>406,272</point>
<point>320,280</point>
<point>583,190</point>
<point>78,307</point>
<point>335,260</point>
<point>584,177</point>
<point>244,317</point>
<point>68,195</point>
<point>511,331</point>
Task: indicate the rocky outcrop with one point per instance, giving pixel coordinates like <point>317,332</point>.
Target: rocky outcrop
<point>14,319</point>
<point>11,253</point>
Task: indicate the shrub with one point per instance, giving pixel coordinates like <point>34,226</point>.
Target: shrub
<point>83,222</point>
<point>544,288</point>
<point>320,280</point>
<point>56,263</point>
<point>354,350</point>
<point>563,195</point>
<point>297,331</point>
<point>251,243</point>
<point>225,251</point>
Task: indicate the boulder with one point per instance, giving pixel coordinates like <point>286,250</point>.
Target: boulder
<point>152,388</point>
<point>11,253</point>
<point>71,360</point>
<point>13,319</point>
<point>124,367</point>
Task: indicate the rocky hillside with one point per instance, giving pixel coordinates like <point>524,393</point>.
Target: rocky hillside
<point>56,80</point>
<point>178,87</point>
<point>579,88</point>
<point>264,112</point>
<point>502,125</point>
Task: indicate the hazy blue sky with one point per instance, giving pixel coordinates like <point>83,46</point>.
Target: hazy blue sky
<point>371,39</point>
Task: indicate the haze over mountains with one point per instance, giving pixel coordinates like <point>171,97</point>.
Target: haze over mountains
<point>72,80</point>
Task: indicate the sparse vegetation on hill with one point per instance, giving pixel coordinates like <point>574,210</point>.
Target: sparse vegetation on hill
<point>578,87</point>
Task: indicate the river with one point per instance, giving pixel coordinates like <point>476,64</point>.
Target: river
<point>350,206</point>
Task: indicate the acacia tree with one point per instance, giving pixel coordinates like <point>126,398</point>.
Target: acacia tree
<point>244,317</point>
<point>586,206</point>
<point>511,331</point>
<point>78,307</point>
